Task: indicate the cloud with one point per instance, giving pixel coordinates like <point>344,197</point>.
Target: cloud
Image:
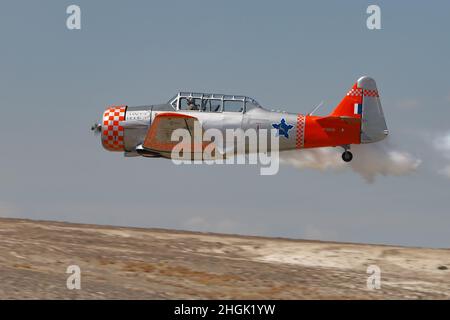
<point>445,171</point>
<point>442,144</point>
<point>370,160</point>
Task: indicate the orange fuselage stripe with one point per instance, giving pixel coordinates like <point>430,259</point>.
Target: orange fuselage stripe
<point>331,131</point>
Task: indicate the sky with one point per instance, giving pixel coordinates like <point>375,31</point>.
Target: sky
<point>289,55</point>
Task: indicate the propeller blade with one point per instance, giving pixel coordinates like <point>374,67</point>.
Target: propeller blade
<point>97,128</point>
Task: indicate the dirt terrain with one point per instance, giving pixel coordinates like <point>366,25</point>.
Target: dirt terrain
<point>132,263</point>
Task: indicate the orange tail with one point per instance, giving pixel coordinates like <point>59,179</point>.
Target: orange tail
<point>351,105</point>
<point>363,102</point>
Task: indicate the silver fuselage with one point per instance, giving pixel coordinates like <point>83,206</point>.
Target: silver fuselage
<point>139,119</point>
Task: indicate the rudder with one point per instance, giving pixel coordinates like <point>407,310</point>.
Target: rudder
<point>363,102</point>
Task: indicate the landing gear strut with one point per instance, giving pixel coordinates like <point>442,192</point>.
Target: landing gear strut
<point>347,156</point>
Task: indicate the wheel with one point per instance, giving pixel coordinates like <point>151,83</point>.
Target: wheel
<point>347,156</point>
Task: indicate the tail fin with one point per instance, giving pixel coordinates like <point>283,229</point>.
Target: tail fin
<point>363,102</point>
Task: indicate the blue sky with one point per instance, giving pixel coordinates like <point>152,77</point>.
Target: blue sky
<point>288,55</point>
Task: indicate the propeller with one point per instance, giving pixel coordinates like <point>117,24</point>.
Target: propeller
<point>97,128</point>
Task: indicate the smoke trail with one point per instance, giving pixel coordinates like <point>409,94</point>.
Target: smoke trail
<point>369,160</point>
<point>442,144</point>
<point>445,171</point>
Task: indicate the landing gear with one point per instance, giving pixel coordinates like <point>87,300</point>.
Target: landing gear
<point>347,156</point>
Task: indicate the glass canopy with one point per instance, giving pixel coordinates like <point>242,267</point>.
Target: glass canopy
<point>212,102</point>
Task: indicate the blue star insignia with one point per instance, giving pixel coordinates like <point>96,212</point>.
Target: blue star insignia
<point>283,128</point>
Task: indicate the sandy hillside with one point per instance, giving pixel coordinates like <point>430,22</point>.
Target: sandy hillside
<point>131,263</point>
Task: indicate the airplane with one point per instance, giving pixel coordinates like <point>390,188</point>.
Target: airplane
<point>146,130</point>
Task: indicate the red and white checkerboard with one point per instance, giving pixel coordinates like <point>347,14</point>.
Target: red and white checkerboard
<point>358,92</point>
<point>371,93</point>
<point>112,131</point>
<point>355,92</point>
<point>300,138</point>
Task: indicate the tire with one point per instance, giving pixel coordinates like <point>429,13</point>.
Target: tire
<point>347,156</point>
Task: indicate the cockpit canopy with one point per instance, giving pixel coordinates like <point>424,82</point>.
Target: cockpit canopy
<point>212,102</point>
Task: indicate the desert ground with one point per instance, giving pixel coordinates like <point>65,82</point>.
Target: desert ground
<point>133,263</point>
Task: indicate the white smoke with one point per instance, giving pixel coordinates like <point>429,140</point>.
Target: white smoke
<point>369,160</point>
<point>442,144</point>
<point>445,171</point>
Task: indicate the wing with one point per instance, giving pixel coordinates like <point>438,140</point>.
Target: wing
<point>159,135</point>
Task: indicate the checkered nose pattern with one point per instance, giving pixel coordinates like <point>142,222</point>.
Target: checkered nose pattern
<point>112,131</point>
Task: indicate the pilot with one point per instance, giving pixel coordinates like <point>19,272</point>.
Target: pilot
<point>191,104</point>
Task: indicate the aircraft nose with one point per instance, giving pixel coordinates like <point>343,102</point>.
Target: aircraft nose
<point>112,129</point>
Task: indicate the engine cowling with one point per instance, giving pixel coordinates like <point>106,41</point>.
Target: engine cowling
<point>112,130</point>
